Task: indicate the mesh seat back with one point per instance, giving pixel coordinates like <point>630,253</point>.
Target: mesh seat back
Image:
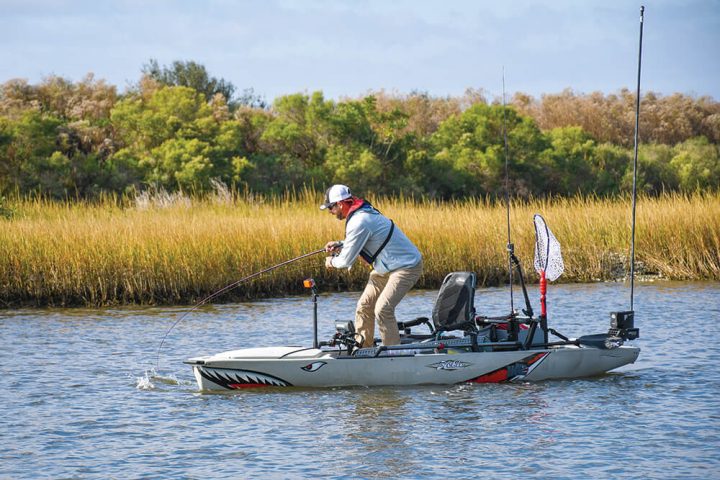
<point>454,307</point>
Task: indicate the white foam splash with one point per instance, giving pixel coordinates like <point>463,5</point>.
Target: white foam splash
<point>151,380</point>
<point>144,383</point>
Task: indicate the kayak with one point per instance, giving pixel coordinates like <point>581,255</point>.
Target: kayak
<point>460,347</point>
<point>313,367</point>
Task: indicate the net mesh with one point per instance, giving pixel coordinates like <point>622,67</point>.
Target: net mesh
<point>548,256</point>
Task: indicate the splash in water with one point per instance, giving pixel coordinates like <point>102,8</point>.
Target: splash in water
<point>145,382</point>
<point>151,379</point>
<point>165,379</point>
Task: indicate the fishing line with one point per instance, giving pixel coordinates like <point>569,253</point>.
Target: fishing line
<point>225,289</point>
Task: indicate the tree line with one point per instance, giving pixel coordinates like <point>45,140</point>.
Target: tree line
<point>179,128</point>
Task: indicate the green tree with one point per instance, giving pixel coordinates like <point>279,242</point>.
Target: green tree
<point>355,165</point>
<point>368,146</point>
<point>8,158</point>
<point>297,138</point>
<point>70,155</point>
<point>609,163</point>
<point>697,164</point>
<point>569,161</point>
<point>655,174</point>
<point>26,161</point>
<point>193,75</point>
<point>469,150</point>
<point>184,162</point>
<point>189,74</point>
<point>389,143</point>
<point>171,139</point>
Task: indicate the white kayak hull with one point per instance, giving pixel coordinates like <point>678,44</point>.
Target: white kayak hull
<point>310,367</point>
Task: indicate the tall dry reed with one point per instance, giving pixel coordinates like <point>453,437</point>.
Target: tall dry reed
<point>179,249</point>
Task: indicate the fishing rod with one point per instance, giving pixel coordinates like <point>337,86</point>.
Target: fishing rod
<point>227,288</point>
<point>635,159</point>
<point>512,259</point>
<point>510,246</point>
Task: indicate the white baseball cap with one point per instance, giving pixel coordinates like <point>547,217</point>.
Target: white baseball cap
<point>334,194</point>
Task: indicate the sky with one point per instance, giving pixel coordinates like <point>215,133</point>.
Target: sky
<point>348,48</point>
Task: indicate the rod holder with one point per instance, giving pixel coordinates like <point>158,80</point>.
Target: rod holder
<point>310,284</point>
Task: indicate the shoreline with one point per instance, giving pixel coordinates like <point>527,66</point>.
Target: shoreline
<point>239,299</point>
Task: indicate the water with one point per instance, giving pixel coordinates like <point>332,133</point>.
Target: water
<point>81,398</point>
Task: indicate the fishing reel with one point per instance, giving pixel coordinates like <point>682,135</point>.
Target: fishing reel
<point>345,336</point>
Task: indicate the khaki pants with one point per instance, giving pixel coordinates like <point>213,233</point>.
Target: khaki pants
<point>382,294</point>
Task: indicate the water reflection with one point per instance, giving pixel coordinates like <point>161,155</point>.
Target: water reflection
<point>375,431</point>
<point>74,404</point>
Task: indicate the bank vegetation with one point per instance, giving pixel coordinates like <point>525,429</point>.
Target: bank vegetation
<point>175,249</point>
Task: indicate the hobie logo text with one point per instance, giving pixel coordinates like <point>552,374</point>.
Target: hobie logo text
<point>448,365</point>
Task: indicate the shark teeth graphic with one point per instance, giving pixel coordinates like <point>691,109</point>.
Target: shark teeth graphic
<point>235,379</point>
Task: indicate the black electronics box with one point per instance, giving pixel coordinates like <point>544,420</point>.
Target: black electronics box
<point>622,320</point>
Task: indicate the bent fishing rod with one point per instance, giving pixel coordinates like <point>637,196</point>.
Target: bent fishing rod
<point>225,289</point>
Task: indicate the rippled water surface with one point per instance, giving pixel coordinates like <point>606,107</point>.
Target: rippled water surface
<point>81,399</point>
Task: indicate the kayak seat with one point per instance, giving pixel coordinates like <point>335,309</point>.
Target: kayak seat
<point>454,307</point>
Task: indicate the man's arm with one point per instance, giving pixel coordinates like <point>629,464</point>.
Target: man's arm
<point>356,236</point>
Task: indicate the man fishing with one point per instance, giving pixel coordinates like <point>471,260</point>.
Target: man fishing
<point>396,261</point>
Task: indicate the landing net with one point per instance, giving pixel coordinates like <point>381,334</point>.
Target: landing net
<point>548,256</point>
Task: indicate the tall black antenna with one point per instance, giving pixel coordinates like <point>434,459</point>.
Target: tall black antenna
<point>510,247</point>
<point>634,190</point>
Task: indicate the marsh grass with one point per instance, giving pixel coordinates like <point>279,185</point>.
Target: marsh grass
<point>177,250</point>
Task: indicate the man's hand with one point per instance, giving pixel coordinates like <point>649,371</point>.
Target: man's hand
<point>328,262</point>
<point>333,247</point>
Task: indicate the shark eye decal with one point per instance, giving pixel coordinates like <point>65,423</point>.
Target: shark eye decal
<point>313,367</point>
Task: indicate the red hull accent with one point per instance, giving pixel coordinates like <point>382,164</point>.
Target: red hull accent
<point>536,358</point>
<point>237,386</point>
<point>501,374</point>
<point>493,377</point>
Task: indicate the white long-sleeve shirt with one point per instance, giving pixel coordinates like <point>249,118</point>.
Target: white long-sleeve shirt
<point>367,229</point>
